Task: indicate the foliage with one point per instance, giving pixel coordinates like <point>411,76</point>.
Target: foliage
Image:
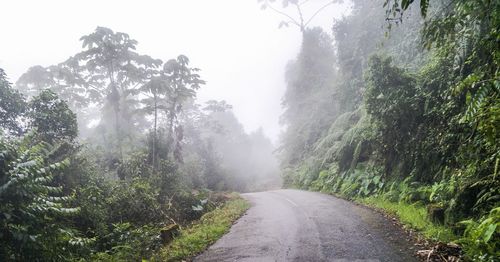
<point>413,215</point>
<point>482,239</point>
<point>12,106</point>
<point>52,118</point>
<point>129,243</point>
<point>111,70</point>
<point>220,155</point>
<point>183,82</point>
<point>135,202</point>
<point>33,208</point>
<point>396,8</point>
<point>413,125</point>
<point>197,237</point>
<point>308,93</point>
<point>138,155</point>
<point>62,79</point>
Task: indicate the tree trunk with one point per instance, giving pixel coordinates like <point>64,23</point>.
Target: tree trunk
<point>115,100</point>
<point>116,108</point>
<point>154,132</point>
<point>170,128</point>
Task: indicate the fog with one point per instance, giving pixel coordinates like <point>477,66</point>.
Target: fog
<point>143,130</point>
<point>217,121</point>
<point>238,46</point>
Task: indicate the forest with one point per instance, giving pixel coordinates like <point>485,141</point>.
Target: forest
<point>103,150</point>
<point>396,106</point>
<point>405,102</point>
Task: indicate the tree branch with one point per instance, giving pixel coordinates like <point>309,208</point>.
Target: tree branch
<point>302,25</point>
<point>283,14</point>
<point>303,2</point>
<point>319,10</point>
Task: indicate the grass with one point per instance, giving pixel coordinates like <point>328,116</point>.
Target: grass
<point>211,226</point>
<point>412,215</point>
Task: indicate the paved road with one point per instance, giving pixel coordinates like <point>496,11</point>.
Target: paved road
<point>294,225</point>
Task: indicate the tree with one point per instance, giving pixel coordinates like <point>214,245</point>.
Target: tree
<point>392,100</point>
<point>154,90</point>
<point>309,99</point>
<point>105,74</point>
<point>12,106</point>
<point>469,32</point>
<point>63,79</point>
<point>166,92</point>
<point>183,81</point>
<point>299,19</point>
<point>52,118</point>
<point>213,106</point>
<point>111,72</point>
<point>396,8</point>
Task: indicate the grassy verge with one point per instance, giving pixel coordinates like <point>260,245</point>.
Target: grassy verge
<point>412,215</point>
<point>211,226</point>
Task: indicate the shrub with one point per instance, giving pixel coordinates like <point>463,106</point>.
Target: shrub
<point>33,209</point>
<point>481,240</point>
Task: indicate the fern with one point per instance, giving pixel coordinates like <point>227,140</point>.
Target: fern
<point>476,102</point>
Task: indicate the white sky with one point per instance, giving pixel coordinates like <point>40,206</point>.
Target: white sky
<point>238,47</point>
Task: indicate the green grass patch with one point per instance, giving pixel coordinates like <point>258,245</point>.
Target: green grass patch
<point>413,215</point>
<point>204,232</point>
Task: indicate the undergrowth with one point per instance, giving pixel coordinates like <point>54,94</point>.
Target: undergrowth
<point>204,232</point>
<point>427,209</point>
<point>414,216</point>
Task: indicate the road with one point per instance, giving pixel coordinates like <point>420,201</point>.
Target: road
<point>294,225</point>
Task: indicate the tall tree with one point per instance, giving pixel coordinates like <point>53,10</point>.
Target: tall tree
<point>165,93</point>
<point>112,71</point>
<point>183,81</point>
<point>153,103</point>
<point>309,99</point>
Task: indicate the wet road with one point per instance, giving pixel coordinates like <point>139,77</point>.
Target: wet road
<point>294,225</point>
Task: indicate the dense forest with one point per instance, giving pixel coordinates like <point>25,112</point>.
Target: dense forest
<point>103,150</point>
<point>402,105</point>
<point>397,104</point>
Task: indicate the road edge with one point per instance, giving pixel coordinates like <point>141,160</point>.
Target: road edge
<point>199,236</point>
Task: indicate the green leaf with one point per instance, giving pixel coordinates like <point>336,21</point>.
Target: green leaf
<point>489,232</point>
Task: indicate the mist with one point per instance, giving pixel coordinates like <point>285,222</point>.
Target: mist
<point>217,41</point>
<point>148,131</point>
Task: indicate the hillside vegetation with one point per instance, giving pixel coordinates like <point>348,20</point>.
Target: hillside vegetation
<point>403,106</point>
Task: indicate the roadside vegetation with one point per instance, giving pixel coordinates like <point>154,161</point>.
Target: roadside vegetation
<point>400,110</point>
<point>105,154</point>
<point>414,216</point>
<point>101,153</point>
<point>198,236</point>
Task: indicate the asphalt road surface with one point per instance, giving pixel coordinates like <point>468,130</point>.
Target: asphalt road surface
<point>294,225</point>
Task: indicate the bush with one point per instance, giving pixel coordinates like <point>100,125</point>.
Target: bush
<point>481,240</point>
<point>129,243</point>
<point>33,210</point>
<point>136,202</point>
